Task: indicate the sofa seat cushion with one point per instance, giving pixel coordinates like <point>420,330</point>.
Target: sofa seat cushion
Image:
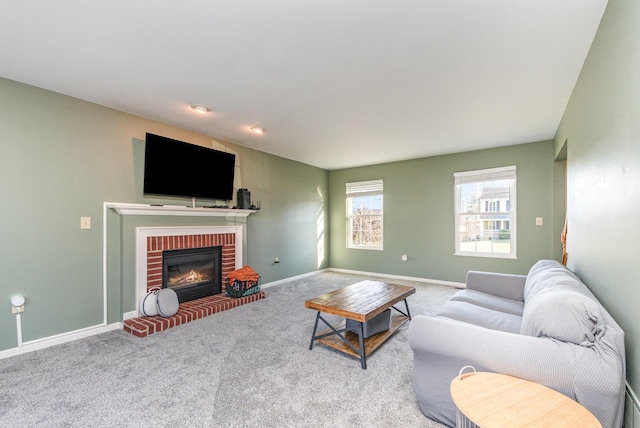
<point>478,315</point>
<point>490,301</point>
<point>565,315</point>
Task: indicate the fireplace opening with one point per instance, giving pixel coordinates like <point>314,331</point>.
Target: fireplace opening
<point>193,273</point>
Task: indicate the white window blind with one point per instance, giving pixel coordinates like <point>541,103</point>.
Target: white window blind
<point>365,188</point>
<point>492,174</point>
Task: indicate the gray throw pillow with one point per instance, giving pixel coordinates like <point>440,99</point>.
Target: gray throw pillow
<point>564,315</point>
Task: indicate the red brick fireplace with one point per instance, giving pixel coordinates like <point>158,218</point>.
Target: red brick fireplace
<point>157,244</point>
<point>151,242</point>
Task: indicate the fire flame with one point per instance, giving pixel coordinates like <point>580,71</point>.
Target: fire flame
<point>188,278</point>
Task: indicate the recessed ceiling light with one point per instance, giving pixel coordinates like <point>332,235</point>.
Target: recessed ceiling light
<point>200,108</point>
<point>258,130</point>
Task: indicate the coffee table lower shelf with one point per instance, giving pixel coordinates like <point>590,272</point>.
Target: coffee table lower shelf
<point>371,343</point>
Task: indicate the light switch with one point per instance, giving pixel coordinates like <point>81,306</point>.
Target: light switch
<point>538,221</point>
<point>85,222</point>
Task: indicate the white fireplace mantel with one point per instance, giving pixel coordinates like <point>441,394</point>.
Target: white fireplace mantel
<point>177,210</point>
<point>126,209</point>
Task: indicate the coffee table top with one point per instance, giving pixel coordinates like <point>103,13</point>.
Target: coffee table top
<point>498,400</point>
<point>360,301</point>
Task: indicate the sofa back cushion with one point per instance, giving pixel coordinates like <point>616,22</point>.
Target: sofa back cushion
<point>565,315</point>
<point>535,278</point>
<point>551,274</point>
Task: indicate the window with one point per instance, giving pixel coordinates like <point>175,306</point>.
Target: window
<point>491,205</point>
<point>485,210</point>
<point>364,215</point>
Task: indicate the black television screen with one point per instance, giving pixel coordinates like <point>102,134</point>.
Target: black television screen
<point>176,168</point>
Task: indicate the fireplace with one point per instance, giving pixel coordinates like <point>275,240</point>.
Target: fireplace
<point>152,242</point>
<point>192,273</point>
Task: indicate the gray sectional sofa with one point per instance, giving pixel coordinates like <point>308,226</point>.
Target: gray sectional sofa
<point>546,327</point>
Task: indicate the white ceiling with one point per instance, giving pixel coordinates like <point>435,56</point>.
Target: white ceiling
<point>336,83</point>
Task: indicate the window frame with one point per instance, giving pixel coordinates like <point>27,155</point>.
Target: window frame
<point>364,189</point>
<point>487,176</point>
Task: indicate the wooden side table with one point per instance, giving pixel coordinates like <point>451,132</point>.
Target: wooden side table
<point>490,400</point>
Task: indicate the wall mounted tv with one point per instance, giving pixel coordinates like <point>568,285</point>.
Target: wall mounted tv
<point>176,168</point>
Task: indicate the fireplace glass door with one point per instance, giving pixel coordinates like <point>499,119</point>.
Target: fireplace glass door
<point>192,273</point>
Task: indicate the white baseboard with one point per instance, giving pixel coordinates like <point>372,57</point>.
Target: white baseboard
<point>34,345</point>
<point>407,278</point>
<point>292,278</point>
<point>129,315</point>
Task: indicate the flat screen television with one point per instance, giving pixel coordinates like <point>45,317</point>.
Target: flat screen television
<point>176,168</point>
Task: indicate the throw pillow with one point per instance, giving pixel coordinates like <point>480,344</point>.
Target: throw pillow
<point>564,315</point>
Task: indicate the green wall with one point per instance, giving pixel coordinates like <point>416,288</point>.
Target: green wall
<point>601,128</point>
<point>419,217</point>
<point>62,158</point>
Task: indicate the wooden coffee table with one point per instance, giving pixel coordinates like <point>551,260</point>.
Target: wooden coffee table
<point>360,302</point>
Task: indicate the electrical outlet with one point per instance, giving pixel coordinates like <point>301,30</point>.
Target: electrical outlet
<point>539,221</point>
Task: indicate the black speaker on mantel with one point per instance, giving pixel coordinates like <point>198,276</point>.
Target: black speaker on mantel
<point>244,199</point>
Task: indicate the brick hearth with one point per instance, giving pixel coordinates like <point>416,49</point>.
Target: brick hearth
<point>189,311</point>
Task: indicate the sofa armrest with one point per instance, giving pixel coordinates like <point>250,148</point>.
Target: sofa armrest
<point>450,343</point>
<point>442,346</point>
<point>504,285</point>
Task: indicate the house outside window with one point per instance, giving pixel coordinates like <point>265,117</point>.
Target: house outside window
<point>485,211</point>
<point>364,215</point>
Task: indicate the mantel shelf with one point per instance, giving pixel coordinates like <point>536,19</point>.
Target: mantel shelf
<point>176,210</point>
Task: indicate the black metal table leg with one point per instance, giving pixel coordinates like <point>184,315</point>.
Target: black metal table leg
<point>363,351</point>
<point>313,335</point>
<point>406,305</point>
